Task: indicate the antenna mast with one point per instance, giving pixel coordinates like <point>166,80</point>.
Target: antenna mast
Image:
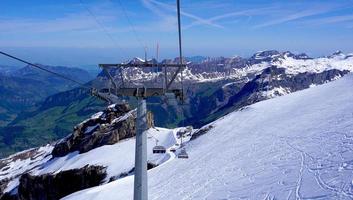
<point>179,31</point>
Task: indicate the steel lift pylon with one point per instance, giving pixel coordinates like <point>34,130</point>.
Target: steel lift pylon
<point>141,93</point>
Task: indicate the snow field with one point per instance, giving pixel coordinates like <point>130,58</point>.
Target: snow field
<point>298,146</point>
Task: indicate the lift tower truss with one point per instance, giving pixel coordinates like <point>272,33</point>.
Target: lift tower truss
<point>141,93</point>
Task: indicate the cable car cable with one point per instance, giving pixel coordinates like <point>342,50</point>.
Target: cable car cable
<point>102,27</point>
<point>44,69</point>
<point>138,39</point>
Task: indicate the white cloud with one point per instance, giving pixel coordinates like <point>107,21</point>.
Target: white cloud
<point>66,22</point>
<point>75,22</point>
<point>249,13</point>
<point>154,7</point>
<point>333,19</point>
<point>297,14</point>
<point>292,17</point>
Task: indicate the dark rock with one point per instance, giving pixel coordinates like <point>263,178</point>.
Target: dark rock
<point>149,166</point>
<point>130,172</point>
<point>116,123</point>
<point>3,185</point>
<point>302,56</point>
<point>56,186</point>
<point>263,56</point>
<point>122,175</point>
<point>201,131</point>
<point>9,196</point>
<point>337,53</point>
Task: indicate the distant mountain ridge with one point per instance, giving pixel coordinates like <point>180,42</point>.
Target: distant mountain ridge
<point>22,88</point>
<point>222,68</point>
<point>36,74</point>
<point>6,69</point>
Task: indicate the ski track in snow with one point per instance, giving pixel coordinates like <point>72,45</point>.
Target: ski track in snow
<point>299,146</point>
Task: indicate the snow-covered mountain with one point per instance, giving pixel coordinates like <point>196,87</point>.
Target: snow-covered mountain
<point>216,86</point>
<point>215,69</point>
<point>298,146</point>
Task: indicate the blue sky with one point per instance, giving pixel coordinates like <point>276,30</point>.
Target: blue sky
<point>87,32</point>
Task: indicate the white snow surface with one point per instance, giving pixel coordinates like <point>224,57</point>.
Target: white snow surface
<point>19,166</point>
<point>97,115</point>
<point>297,146</point>
<point>295,66</point>
<point>16,166</point>
<point>124,117</point>
<point>275,92</point>
<point>118,158</point>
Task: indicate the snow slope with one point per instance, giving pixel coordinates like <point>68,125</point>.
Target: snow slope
<point>15,165</point>
<point>295,66</point>
<point>118,158</point>
<point>298,146</point>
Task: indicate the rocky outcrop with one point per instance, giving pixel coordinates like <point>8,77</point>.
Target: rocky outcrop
<point>56,186</point>
<point>3,185</point>
<point>8,196</point>
<point>201,131</point>
<point>106,128</point>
